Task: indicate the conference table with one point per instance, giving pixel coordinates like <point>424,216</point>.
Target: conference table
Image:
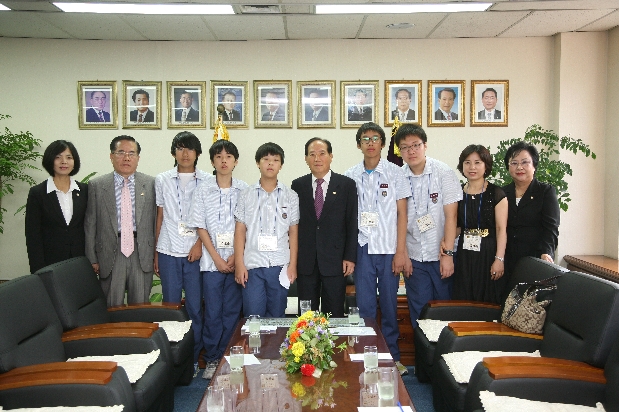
<point>266,387</point>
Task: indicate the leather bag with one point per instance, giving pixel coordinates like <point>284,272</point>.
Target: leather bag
<point>522,311</point>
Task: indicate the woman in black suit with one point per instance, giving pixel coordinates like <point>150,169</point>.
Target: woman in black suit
<point>55,209</point>
<point>533,214</point>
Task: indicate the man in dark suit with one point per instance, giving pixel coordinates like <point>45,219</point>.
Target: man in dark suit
<point>142,114</point>
<point>403,99</point>
<point>360,111</point>
<point>273,113</point>
<point>327,230</point>
<point>489,99</point>
<point>186,113</point>
<point>96,113</point>
<point>446,99</point>
<point>120,226</point>
<point>229,114</point>
<point>316,111</point>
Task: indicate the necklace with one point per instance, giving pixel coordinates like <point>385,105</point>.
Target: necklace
<point>468,187</point>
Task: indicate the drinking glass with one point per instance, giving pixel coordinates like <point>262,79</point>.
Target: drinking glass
<point>214,399</point>
<point>254,324</point>
<point>236,358</point>
<point>254,343</point>
<point>305,306</point>
<point>370,358</point>
<point>385,383</point>
<point>353,316</point>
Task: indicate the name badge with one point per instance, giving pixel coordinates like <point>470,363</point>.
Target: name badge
<point>183,230</point>
<point>472,242</point>
<point>267,243</point>
<point>425,223</point>
<point>369,219</point>
<point>225,240</point>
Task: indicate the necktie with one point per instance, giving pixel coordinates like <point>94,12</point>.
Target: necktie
<point>184,116</point>
<point>401,117</point>
<point>229,115</point>
<point>315,116</point>
<point>489,116</point>
<point>140,118</point>
<point>449,116</point>
<point>319,200</point>
<point>101,117</point>
<point>126,221</point>
<point>272,115</point>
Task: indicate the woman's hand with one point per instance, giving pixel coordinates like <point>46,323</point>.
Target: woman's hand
<point>547,258</point>
<point>497,269</point>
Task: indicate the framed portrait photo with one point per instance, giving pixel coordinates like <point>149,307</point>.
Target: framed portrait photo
<point>141,105</point>
<point>403,100</point>
<point>273,107</point>
<point>97,107</point>
<point>186,105</point>
<point>233,97</point>
<point>446,103</point>
<point>489,101</point>
<point>358,103</point>
<point>316,103</point>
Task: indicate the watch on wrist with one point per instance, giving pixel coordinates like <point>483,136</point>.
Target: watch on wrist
<point>500,258</point>
<point>448,252</point>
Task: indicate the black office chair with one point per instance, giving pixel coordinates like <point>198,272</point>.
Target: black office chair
<point>79,302</point>
<point>33,371</point>
<point>528,270</point>
<point>581,325</point>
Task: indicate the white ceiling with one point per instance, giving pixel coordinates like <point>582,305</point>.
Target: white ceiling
<point>296,20</point>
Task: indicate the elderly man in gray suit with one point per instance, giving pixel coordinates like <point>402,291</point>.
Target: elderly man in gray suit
<point>120,226</point>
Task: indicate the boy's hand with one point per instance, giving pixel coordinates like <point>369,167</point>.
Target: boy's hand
<point>292,274</point>
<point>240,275</point>
<point>195,253</point>
<point>401,263</point>
<point>231,263</point>
<point>222,265</point>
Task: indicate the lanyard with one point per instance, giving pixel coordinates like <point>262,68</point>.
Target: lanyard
<point>481,198</point>
<point>413,195</point>
<point>375,200</point>
<point>178,192</point>
<point>276,210</point>
<point>222,198</point>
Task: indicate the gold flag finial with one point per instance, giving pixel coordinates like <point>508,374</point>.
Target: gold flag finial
<point>396,125</point>
<point>220,128</point>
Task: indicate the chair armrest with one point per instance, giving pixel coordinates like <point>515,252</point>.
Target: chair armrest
<point>148,312</point>
<point>489,328</point>
<point>532,361</point>
<point>58,373</point>
<point>97,333</point>
<point>118,325</point>
<point>594,375</point>
<point>462,310</point>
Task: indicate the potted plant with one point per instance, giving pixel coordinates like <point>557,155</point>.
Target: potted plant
<point>550,168</point>
<point>17,152</point>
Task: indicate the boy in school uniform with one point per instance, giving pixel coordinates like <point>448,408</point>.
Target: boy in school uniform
<point>432,218</point>
<point>213,215</point>
<point>266,238</point>
<point>382,191</point>
<point>178,251</point>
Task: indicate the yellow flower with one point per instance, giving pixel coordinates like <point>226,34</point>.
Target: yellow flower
<point>298,349</point>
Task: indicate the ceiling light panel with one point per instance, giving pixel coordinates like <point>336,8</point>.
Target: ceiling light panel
<point>127,8</point>
<point>399,8</point>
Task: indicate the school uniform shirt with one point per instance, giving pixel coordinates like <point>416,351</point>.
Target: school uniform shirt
<point>378,192</point>
<point>434,188</point>
<point>267,214</point>
<point>213,210</point>
<point>176,198</point>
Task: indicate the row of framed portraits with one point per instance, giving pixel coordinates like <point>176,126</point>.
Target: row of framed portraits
<point>316,103</point>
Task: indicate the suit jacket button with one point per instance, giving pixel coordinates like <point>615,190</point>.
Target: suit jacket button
<point>317,227</point>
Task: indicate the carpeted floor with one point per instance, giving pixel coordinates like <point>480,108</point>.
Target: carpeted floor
<point>187,398</point>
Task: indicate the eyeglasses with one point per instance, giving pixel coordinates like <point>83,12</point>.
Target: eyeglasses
<point>122,153</point>
<point>182,149</point>
<point>524,164</point>
<point>414,147</point>
<point>367,140</point>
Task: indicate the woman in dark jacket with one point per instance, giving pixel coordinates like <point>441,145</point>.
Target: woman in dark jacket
<point>533,214</point>
<point>55,209</point>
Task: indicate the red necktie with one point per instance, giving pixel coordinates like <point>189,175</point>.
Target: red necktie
<point>101,117</point>
<point>140,118</point>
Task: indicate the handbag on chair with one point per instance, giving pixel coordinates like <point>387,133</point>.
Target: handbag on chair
<point>522,311</point>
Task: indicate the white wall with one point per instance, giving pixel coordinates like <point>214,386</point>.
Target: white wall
<point>38,87</point>
<point>611,207</point>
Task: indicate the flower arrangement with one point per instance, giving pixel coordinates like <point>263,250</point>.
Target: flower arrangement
<point>308,346</point>
<point>315,392</point>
